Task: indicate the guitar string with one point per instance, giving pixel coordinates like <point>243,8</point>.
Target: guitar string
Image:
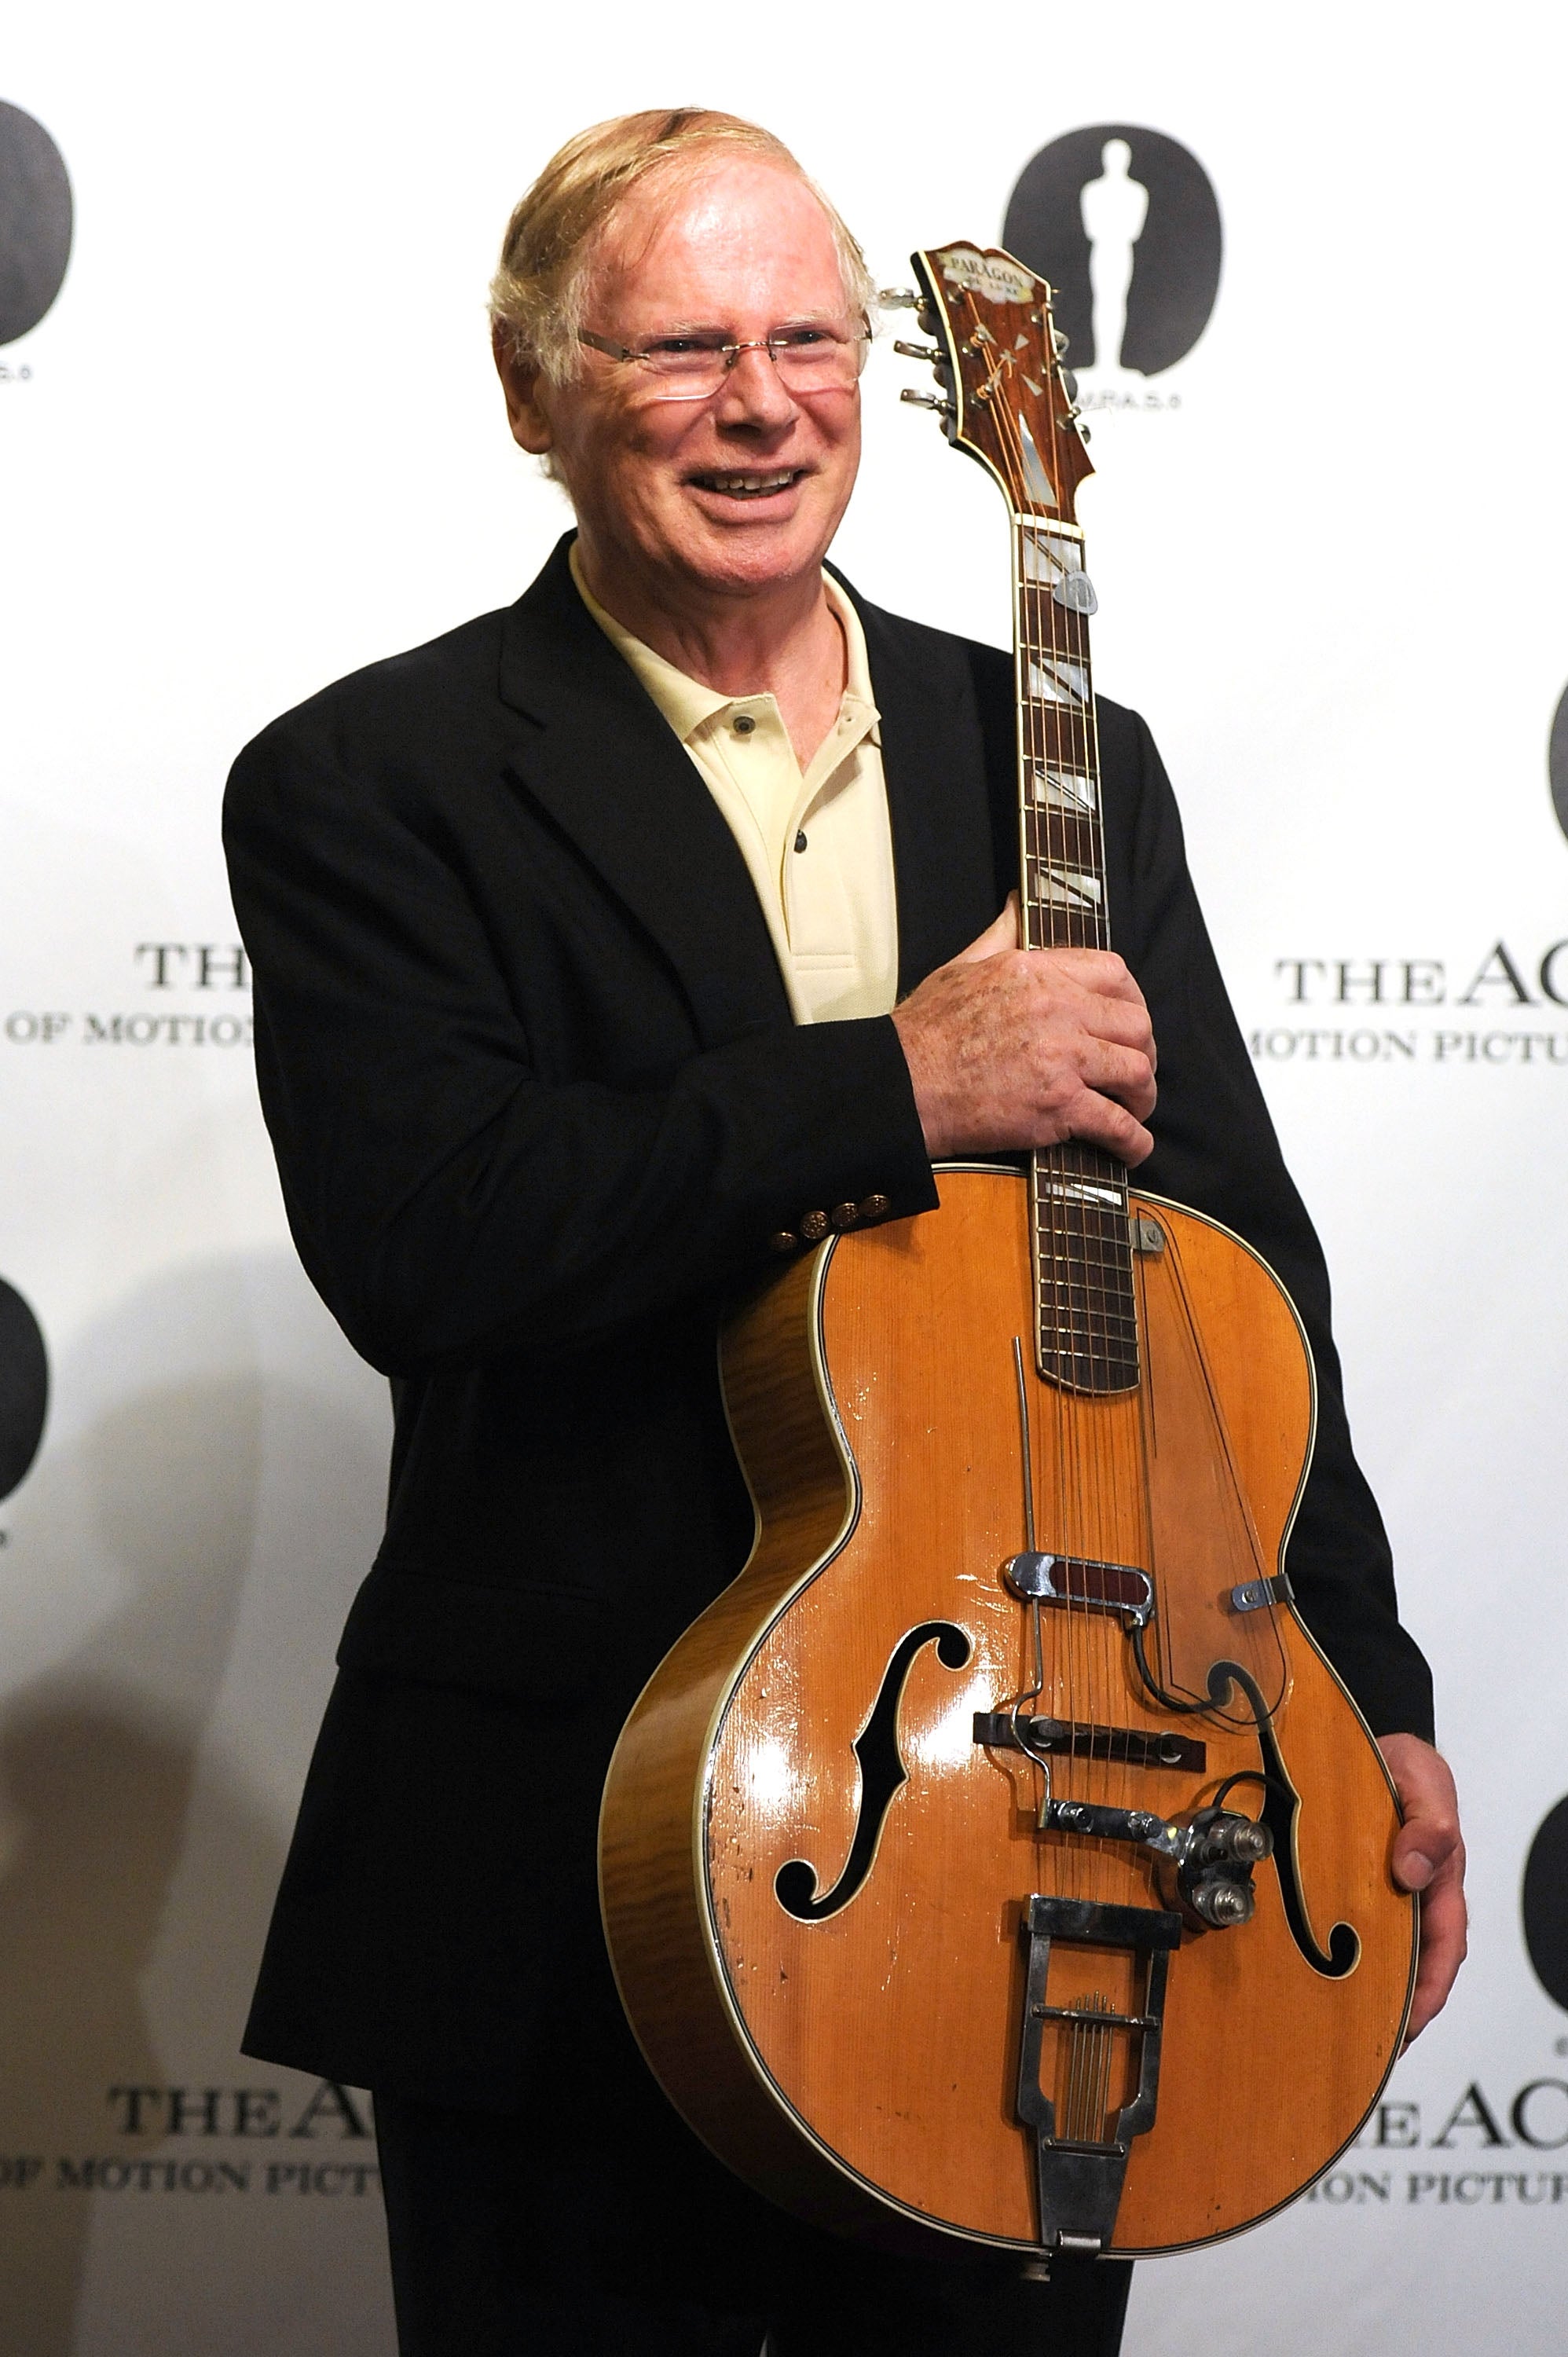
<point>1044,1238</point>
<point>1047,636</point>
<point>1071,627</point>
<point>1067,635</point>
<point>1055,656</point>
<point>1055,921</point>
<point>1075,1297</point>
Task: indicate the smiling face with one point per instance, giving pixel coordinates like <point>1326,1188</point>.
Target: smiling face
<point>735,497</point>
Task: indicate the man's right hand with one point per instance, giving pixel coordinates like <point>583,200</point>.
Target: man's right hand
<point>1011,1049</point>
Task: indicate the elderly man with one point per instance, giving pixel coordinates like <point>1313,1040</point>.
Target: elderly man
<point>594,943</point>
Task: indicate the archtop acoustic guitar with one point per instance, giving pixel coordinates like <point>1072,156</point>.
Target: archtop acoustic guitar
<point>998,1861</point>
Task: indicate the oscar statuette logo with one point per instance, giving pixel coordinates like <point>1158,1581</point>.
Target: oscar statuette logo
<point>24,1387</point>
<point>1126,224</point>
<point>36,217</point>
<point>1557,761</point>
<point>1545,1904</point>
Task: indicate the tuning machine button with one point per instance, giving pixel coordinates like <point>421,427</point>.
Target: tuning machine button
<point>932,352</point>
<point>927,401</point>
<point>909,298</point>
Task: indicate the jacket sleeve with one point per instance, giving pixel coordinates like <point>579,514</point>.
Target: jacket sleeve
<point>449,1200</point>
<point>1216,1148</point>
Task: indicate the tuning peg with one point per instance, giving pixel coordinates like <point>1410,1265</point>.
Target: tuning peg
<point>1059,343</point>
<point>927,401</point>
<point>898,298</point>
<point>932,352</point>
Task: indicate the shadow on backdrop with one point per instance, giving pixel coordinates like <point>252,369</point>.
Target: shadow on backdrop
<point>99,1762</point>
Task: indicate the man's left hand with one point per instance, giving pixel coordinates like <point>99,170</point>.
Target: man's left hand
<point>1429,1856</point>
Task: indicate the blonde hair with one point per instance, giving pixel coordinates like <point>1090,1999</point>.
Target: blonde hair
<point>547,254</point>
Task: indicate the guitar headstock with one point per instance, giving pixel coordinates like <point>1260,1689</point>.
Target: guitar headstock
<point>997,358</point>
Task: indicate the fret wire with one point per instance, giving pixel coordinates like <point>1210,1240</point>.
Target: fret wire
<point>1103,1278</point>
<point>1072,1293</point>
<point>1077,1317</point>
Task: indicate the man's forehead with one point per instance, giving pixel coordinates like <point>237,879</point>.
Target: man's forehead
<point>736,224</point>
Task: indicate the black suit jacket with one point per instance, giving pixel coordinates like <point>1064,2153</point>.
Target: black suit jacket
<point>537,1102</point>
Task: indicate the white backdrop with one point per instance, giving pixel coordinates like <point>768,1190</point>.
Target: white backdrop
<point>255,443</point>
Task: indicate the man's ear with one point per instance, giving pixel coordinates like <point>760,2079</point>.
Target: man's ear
<point>529,421</point>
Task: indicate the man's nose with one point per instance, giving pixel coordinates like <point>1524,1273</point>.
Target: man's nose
<point>754,393</point>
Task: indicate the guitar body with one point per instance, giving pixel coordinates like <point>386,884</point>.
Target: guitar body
<point>818,1870</point>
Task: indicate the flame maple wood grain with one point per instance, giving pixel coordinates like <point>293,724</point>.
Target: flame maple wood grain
<point>861,2069</point>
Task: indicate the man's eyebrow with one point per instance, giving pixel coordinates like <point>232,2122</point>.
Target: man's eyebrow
<point>681,326</point>
<point>819,319</point>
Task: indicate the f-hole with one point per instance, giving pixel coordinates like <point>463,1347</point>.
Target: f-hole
<point>1281,1806</point>
<point>882,1772</point>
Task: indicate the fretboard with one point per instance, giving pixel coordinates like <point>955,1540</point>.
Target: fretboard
<point>1086,1327</point>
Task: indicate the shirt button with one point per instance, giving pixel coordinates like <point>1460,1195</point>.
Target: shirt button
<point>814,1226</point>
<point>800,841</point>
<point>844,1215</point>
<point>744,724</point>
<point>876,1207</point>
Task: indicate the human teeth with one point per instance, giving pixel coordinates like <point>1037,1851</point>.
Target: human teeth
<point>752,482</point>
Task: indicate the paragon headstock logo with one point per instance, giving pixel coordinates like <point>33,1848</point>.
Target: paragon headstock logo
<point>36,217</point>
<point>1126,224</point>
<point>24,1387</point>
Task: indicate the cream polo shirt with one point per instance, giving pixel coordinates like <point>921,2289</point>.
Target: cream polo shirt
<point>818,845</point>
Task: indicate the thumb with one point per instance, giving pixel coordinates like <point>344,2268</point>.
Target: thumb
<point>1000,935</point>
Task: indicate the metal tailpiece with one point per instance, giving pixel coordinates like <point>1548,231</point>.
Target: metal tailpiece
<point>1078,2178</point>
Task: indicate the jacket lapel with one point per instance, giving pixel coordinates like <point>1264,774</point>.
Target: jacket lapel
<point>599,757</point>
<point>606,765</point>
<point>934,761</point>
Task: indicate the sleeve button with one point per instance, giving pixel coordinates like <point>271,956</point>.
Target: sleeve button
<point>814,1226</point>
<point>876,1207</point>
<point>785,1241</point>
<point>844,1215</point>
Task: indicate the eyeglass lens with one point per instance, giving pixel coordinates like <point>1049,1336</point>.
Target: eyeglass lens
<point>806,363</point>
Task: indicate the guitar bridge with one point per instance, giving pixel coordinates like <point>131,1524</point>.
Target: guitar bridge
<point>1078,2174</point>
<point>998,1730</point>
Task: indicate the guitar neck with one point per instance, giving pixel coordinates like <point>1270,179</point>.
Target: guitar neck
<point>1086,1311</point>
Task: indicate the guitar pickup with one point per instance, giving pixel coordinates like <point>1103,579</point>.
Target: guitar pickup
<point>1119,1587</point>
<point>1136,1748</point>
